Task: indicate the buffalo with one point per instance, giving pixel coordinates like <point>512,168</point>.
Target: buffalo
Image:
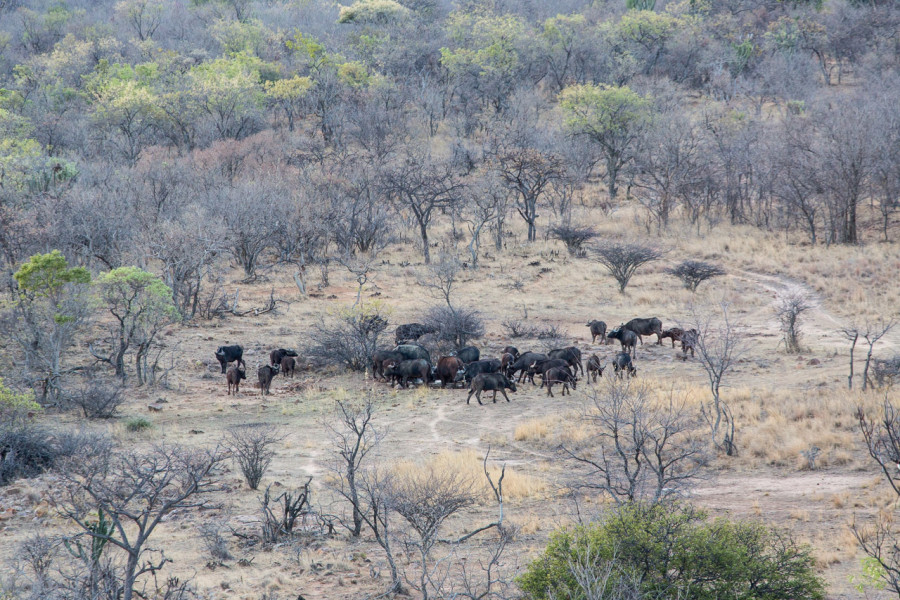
<point>571,355</point>
<point>410,332</point>
<point>674,333</point>
<point>488,365</point>
<point>558,375</point>
<point>288,364</point>
<point>275,356</point>
<point>598,329</point>
<point>622,364</point>
<point>228,354</point>
<point>542,366</point>
<point>266,374</point>
<point>378,359</point>
<point>645,327</point>
<point>594,368</point>
<point>492,382</point>
<point>523,363</point>
<point>506,359</point>
<point>450,369</point>
<point>468,354</point>
<point>233,377</point>
<point>626,337</point>
<point>413,352</point>
<point>402,372</point>
<point>511,350</point>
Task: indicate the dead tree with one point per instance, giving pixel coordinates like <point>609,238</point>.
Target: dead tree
<point>353,438</point>
<point>135,492</point>
<point>871,332</point>
<point>637,452</point>
<point>789,308</point>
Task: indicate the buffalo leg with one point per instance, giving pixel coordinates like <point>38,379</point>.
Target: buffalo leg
<point>502,391</point>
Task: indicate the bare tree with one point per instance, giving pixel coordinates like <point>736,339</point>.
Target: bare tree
<point>440,278</point>
<point>251,448</point>
<point>134,492</point>
<point>377,495</point>
<point>638,451</point>
<point>426,501</point>
<point>871,332</point>
<point>353,437</point>
<point>527,172</point>
<point>718,349</point>
<point>694,272</point>
<point>852,334</point>
<point>623,259</point>
<point>789,307</point>
<point>455,325</point>
<point>253,212</point>
<point>422,185</point>
<point>350,338</point>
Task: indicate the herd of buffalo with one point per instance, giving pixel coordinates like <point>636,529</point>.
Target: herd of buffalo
<point>409,361</point>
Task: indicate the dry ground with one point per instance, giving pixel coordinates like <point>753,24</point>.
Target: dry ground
<point>783,404</point>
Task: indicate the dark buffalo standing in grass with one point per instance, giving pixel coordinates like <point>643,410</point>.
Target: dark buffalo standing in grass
<point>288,365</point>
<point>644,327</point>
<point>488,365</point>
<point>626,337</point>
<point>523,363</point>
<point>511,350</point>
<point>266,374</point>
<point>410,332</point>
<point>689,341</point>
<point>228,354</point>
<point>571,355</point>
<point>623,364</point>
<point>468,354</point>
<point>379,358</point>
<point>402,372</point>
<point>233,377</point>
<point>673,333</point>
<point>598,329</point>
<point>594,368</point>
<point>542,366</point>
<point>275,356</point>
<point>413,352</point>
<point>558,375</point>
<point>491,382</point>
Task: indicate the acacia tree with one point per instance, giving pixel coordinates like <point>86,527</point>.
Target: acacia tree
<point>141,305</point>
<point>51,307</point>
<point>612,117</point>
<point>622,260</point>
<point>422,185</point>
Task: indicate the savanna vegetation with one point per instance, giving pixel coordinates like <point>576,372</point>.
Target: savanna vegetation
<point>181,176</point>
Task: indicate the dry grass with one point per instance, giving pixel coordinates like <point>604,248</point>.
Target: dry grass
<point>469,466</point>
<point>534,429</point>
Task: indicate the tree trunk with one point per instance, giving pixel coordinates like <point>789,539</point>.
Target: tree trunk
<point>423,229</point>
<point>852,348</point>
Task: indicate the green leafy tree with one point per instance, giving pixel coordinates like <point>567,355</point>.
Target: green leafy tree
<point>289,95</point>
<point>141,305</point>
<point>229,91</point>
<point>671,551</point>
<point>612,117</point>
<point>52,306</point>
<point>13,404</point>
<point>374,11</point>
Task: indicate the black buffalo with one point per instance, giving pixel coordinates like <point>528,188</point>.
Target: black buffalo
<point>275,356</point>
<point>598,329</point>
<point>468,354</point>
<point>227,354</point>
<point>571,355</point>
<point>488,365</point>
<point>622,364</point>
<point>288,364</point>
<point>594,368</point>
<point>413,352</point>
<point>402,372</point>
<point>626,337</point>
<point>689,341</point>
<point>492,382</point>
<point>558,375</point>
<point>511,350</point>
<point>645,327</point>
<point>411,332</point>
<point>674,333</point>
<point>542,366</point>
<point>266,374</point>
<point>523,363</point>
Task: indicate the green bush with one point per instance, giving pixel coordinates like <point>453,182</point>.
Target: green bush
<point>136,424</point>
<point>674,551</point>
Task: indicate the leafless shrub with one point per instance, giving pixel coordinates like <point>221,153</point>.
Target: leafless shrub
<point>214,542</point>
<point>623,259</point>
<point>251,447</point>
<point>98,399</point>
<point>574,237</point>
<point>694,272</point>
<point>553,336</point>
<point>455,325</point>
<point>281,514</point>
<point>886,371</point>
<point>789,307</point>
<point>350,339</point>
<point>519,329</point>
<point>638,451</point>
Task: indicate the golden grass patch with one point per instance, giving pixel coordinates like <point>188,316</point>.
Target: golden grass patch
<point>534,429</point>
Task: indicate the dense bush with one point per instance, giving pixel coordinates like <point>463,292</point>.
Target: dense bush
<point>98,399</point>
<point>27,450</point>
<point>672,551</point>
<point>350,338</point>
<point>455,325</point>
